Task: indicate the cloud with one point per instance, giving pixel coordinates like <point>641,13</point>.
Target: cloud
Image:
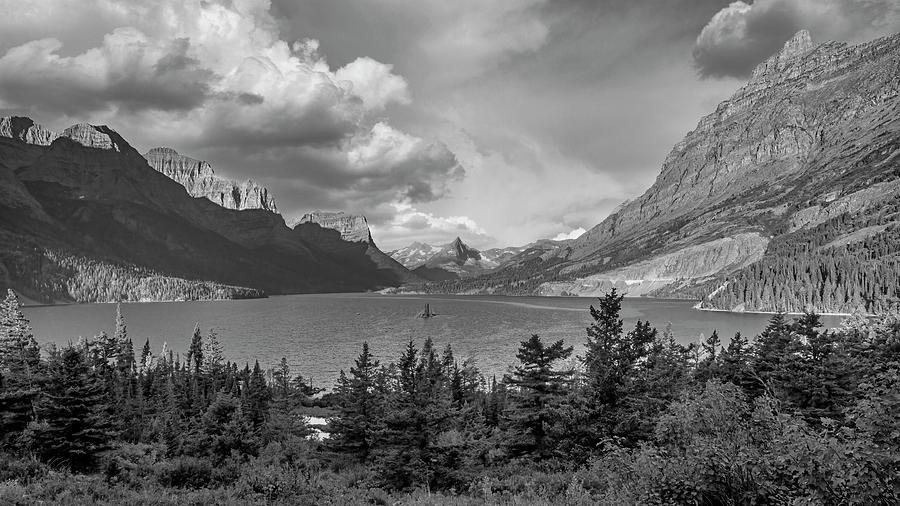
<point>408,224</point>
<point>374,83</point>
<point>128,70</point>
<point>742,35</point>
<point>574,234</point>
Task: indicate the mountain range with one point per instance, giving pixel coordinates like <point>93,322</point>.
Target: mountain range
<point>457,260</point>
<point>84,217</point>
<point>783,198</point>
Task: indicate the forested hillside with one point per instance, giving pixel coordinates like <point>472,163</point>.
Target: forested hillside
<point>798,415</point>
<point>54,276</point>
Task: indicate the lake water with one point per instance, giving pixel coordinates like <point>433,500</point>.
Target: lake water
<point>322,334</point>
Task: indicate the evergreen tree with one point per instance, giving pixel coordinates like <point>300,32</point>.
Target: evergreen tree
<point>353,431</point>
<point>709,365</point>
<point>537,389</point>
<point>256,397</point>
<point>19,351</point>
<point>195,351</point>
<point>20,367</point>
<point>72,425</point>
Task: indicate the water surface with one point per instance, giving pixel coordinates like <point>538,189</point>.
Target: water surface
<point>321,334</point>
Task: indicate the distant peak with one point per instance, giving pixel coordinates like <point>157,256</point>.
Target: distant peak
<point>26,130</point>
<point>457,242</point>
<point>797,46</point>
<point>94,136</point>
<point>800,44</point>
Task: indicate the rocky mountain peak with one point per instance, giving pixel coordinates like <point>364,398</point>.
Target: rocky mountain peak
<point>353,227</point>
<point>200,180</point>
<point>94,136</point>
<point>26,130</point>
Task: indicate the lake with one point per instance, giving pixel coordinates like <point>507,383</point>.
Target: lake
<point>322,334</point>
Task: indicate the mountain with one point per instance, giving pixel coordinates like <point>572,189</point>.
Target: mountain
<point>785,197</point>
<point>347,236</point>
<point>200,180</point>
<point>437,263</point>
<point>457,260</point>
<point>84,217</point>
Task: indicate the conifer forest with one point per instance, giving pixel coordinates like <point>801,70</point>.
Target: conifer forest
<point>796,415</point>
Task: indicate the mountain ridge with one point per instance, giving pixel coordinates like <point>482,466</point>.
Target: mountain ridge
<point>91,195</point>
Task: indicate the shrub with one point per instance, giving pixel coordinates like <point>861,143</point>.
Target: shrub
<point>185,472</point>
<point>22,471</point>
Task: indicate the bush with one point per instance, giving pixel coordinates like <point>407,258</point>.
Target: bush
<point>185,472</point>
<point>22,471</point>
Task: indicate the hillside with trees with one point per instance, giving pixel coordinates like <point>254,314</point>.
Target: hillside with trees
<point>796,415</point>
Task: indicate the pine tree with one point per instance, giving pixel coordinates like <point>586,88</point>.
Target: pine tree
<point>708,368</point>
<point>20,367</point>
<point>354,429</point>
<point>19,351</point>
<point>195,351</point>
<point>537,389</point>
<point>72,425</point>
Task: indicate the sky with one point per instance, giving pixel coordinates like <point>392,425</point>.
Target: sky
<point>501,121</point>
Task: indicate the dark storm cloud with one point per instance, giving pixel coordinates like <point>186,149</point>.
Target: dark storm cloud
<point>365,171</point>
<point>742,35</point>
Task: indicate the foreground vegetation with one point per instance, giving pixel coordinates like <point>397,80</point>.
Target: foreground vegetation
<point>797,416</point>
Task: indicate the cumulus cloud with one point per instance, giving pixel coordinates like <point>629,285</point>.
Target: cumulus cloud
<point>742,35</point>
<point>409,224</point>
<point>574,234</point>
<point>373,82</point>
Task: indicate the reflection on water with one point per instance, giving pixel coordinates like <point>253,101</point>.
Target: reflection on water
<point>321,334</point>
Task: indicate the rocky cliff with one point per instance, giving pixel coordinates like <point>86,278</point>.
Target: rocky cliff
<point>353,227</point>
<point>200,180</point>
<point>807,146</point>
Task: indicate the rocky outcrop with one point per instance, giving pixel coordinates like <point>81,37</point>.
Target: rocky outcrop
<point>200,180</point>
<point>353,227</point>
<point>91,136</point>
<point>26,130</point>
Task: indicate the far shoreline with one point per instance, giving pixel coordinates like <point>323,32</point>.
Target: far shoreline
<point>30,303</point>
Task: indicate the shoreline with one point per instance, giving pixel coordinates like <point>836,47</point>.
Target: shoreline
<point>29,303</point>
<point>791,313</point>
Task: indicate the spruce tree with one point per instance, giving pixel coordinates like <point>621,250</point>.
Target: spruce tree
<point>20,368</point>
<point>354,429</point>
<point>195,351</point>
<point>536,390</point>
<point>72,425</point>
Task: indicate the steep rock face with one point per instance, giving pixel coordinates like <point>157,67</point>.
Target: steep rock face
<point>90,136</point>
<point>200,180</point>
<point>26,130</point>
<point>353,227</point>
